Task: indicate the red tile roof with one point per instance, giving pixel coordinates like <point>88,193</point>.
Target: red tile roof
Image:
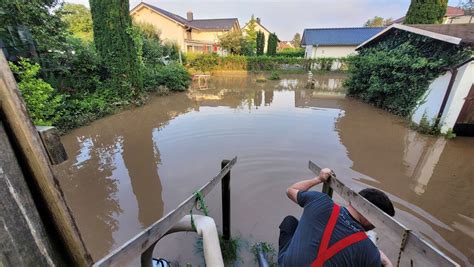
<point>454,11</point>
<point>450,12</point>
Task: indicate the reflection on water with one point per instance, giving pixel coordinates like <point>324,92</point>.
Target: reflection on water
<point>127,170</point>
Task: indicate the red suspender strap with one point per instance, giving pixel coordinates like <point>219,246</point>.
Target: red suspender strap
<point>325,253</point>
<point>323,246</point>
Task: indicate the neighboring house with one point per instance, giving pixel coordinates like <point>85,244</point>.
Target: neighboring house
<point>454,15</point>
<point>285,44</point>
<point>192,35</point>
<point>450,97</point>
<point>259,27</point>
<point>335,42</point>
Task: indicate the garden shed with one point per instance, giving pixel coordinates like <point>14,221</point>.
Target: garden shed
<point>449,101</point>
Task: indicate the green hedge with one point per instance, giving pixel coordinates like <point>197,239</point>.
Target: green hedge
<point>395,73</point>
<point>293,53</point>
<point>268,63</point>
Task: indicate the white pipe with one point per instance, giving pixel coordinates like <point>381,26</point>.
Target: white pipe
<point>205,227</point>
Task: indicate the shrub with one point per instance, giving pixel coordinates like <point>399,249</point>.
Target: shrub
<point>41,99</point>
<point>394,73</point>
<point>204,62</point>
<point>173,76</point>
<point>76,70</point>
<point>291,53</point>
<point>274,76</point>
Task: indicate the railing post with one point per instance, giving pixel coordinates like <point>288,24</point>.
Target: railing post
<point>327,189</point>
<point>225,203</point>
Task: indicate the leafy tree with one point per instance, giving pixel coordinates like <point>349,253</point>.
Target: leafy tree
<point>251,33</point>
<point>78,20</point>
<point>296,40</point>
<point>117,42</point>
<point>233,42</point>
<point>39,17</point>
<point>260,43</point>
<point>272,44</point>
<point>426,12</point>
<point>467,6</point>
<point>378,22</point>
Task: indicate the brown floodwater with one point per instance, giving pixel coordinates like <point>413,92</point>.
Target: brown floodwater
<point>127,170</point>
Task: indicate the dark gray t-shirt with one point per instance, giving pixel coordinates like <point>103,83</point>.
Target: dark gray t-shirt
<point>303,247</point>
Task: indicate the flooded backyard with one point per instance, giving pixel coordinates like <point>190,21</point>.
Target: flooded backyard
<point>127,170</point>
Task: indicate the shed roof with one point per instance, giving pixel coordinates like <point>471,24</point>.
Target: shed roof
<point>338,36</point>
<point>451,33</point>
<point>202,24</point>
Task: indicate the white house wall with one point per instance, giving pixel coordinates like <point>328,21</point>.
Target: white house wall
<point>329,51</point>
<point>460,91</point>
<point>430,103</point>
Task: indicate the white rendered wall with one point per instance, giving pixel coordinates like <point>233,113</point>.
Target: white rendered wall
<point>329,51</point>
<point>431,101</point>
<point>461,87</point>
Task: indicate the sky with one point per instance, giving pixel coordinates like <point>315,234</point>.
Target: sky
<point>287,17</point>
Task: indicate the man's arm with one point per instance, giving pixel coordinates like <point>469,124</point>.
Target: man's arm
<point>292,191</point>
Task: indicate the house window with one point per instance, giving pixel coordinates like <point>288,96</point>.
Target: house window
<point>189,48</point>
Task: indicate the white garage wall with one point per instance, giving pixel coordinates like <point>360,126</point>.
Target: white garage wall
<point>461,87</point>
<point>430,103</point>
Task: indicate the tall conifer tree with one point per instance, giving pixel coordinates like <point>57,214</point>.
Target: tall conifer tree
<point>113,39</point>
<point>426,12</point>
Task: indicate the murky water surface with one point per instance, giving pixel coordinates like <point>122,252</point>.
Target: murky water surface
<point>127,170</point>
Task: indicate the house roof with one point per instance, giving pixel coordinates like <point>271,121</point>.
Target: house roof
<point>451,33</point>
<point>210,24</point>
<point>338,36</point>
<point>451,11</point>
<point>202,24</point>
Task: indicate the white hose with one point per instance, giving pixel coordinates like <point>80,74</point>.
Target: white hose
<point>205,227</point>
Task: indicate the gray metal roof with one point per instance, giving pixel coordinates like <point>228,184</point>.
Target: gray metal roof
<point>203,24</point>
<point>208,24</point>
<point>338,36</point>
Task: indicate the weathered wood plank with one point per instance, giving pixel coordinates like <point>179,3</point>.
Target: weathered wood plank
<point>36,160</point>
<point>123,255</point>
<point>52,143</point>
<point>415,249</point>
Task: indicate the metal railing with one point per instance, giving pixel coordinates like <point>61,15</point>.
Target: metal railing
<point>144,243</point>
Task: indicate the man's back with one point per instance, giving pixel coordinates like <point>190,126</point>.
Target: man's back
<point>303,247</point>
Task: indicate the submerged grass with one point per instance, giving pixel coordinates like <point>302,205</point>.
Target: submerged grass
<point>230,249</point>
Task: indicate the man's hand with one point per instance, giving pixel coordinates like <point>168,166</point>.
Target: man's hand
<point>324,174</point>
<point>292,191</point>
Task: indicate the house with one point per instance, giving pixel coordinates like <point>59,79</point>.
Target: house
<point>192,35</point>
<point>454,15</point>
<point>285,45</point>
<point>335,42</point>
<point>449,100</point>
<point>258,27</point>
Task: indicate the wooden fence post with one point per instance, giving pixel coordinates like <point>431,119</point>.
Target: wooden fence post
<point>225,203</point>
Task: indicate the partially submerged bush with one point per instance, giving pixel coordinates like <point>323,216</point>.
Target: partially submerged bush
<point>204,62</point>
<point>274,76</point>
<point>173,76</point>
<point>42,101</point>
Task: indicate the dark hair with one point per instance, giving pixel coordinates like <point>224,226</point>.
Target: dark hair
<point>379,199</point>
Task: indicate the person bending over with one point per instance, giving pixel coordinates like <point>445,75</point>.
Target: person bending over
<point>327,234</point>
